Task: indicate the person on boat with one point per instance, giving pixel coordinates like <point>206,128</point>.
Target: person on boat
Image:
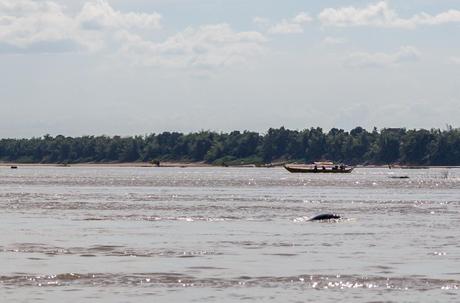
<point>315,168</point>
<point>324,168</point>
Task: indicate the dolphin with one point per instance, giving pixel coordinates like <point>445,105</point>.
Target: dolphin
<point>323,217</point>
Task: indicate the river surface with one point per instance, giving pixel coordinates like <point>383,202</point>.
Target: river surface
<point>107,234</point>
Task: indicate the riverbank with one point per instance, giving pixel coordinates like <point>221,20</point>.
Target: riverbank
<point>111,164</point>
<point>189,164</point>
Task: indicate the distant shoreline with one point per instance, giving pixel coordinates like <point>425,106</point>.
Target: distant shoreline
<point>112,164</point>
<point>168,164</point>
<point>413,147</point>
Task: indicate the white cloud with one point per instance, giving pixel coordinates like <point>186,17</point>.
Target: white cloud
<point>334,40</point>
<point>99,14</point>
<point>363,59</point>
<point>261,21</point>
<point>301,18</point>
<point>442,18</point>
<point>25,24</point>
<point>381,15</point>
<point>29,26</point>
<point>291,26</point>
<point>207,46</point>
<point>455,60</point>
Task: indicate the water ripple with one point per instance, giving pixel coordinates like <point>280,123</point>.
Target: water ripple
<point>183,280</point>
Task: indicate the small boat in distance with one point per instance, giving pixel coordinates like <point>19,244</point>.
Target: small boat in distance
<point>319,167</point>
<point>399,177</point>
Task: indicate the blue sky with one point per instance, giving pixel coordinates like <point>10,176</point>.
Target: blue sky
<point>140,66</point>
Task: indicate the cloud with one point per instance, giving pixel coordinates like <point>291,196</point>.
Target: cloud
<point>24,24</point>
<point>334,40</point>
<point>99,14</point>
<point>381,15</point>
<point>455,60</point>
<point>291,26</point>
<point>261,21</point>
<point>204,47</point>
<point>363,59</point>
<point>28,26</point>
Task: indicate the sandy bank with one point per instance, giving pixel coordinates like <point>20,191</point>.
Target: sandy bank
<point>186,164</point>
<point>129,164</point>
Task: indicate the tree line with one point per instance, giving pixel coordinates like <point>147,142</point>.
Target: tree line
<point>358,146</point>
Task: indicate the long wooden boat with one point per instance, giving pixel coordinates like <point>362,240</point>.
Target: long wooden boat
<point>319,167</point>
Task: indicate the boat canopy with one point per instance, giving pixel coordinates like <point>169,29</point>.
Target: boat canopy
<point>324,163</point>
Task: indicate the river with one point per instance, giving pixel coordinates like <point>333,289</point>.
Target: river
<point>119,234</point>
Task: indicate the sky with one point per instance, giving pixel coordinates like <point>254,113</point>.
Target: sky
<point>134,67</point>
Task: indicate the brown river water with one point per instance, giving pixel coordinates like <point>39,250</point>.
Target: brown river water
<point>107,234</point>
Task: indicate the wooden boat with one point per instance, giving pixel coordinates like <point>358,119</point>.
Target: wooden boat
<point>319,167</point>
<point>399,177</point>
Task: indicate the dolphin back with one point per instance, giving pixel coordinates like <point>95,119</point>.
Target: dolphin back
<point>323,217</point>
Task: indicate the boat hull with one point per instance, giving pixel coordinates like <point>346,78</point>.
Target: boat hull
<point>294,169</point>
